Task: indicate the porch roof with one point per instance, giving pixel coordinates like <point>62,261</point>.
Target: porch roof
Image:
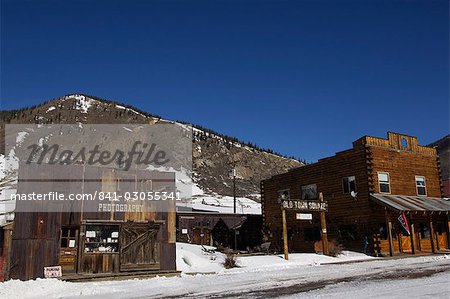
<point>412,203</point>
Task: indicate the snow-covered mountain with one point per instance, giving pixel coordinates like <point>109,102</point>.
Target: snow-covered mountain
<point>213,153</point>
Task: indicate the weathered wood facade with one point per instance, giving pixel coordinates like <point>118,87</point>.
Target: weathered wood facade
<point>83,240</point>
<point>236,231</point>
<point>443,149</point>
<point>5,249</point>
<point>354,216</point>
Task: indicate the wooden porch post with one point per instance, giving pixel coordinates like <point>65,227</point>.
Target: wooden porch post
<point>448,231</point>
<point>285,235</point>
<point>413,236</point>
<point>389,228</point>
<point>323,227</point>
<point>432,240</point>
<point>391,243</point>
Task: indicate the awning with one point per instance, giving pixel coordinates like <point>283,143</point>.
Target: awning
<point>412,203</point>
<point>234,222</point>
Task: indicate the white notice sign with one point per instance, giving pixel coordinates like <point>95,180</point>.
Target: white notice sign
<point>54,271</point>
<point>302,216</point>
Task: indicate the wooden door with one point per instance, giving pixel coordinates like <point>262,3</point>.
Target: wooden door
<point>406,243</point>
<point>68,253</point>
<point>441,236</point>
<point>201,236</point>
<point>139,249</point>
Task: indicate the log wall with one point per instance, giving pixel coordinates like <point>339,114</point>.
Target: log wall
<point>400,155</point>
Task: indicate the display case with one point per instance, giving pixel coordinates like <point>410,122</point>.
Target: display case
<point>101,239</point>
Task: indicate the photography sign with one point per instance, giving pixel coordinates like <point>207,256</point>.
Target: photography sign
<point>99,168</point>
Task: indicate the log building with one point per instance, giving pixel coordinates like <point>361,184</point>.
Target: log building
<point>443,149</point>
<point>83,240</point>
<point>384,191</point>
<point>236,231</point>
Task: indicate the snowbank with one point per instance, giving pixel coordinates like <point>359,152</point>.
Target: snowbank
<point>191,258</point>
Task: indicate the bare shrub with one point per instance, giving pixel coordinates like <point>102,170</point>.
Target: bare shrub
<point>335,248</point>
<point>230,260</point>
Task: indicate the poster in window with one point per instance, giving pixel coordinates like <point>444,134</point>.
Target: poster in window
<point>309,192</point>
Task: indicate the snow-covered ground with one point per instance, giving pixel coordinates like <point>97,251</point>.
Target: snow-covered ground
<point>191,258</point>
<point>304,275</point>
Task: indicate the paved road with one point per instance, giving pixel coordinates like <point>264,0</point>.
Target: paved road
<point>370,279</point>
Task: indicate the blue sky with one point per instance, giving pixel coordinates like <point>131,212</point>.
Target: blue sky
<point>305,78</point>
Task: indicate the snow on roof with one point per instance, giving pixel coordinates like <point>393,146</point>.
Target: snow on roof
<point>222,204</point>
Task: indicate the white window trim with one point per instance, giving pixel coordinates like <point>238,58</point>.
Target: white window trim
<point>417,186</point>
<point>379,182</point>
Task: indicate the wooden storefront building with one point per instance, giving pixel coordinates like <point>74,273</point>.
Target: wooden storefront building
<point>386,191</point>
<point>235,231</point>
<point>84,241</point>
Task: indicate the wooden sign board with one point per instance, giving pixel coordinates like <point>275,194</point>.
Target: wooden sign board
<point>305,205</point>
<point>51,272</point>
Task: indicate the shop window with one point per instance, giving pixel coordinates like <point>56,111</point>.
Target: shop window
<point>382,230</point>
<point>404,143</point>
<point>424,231</point>
<point>312,234</point>
<point>384,182</point>
<point>309,192</point>
<point>284,195</point>
<point>146,185</point>
<point>348,232</point>
<point>68,237</point>
<point>101,238</point>
<point>421,185</point>
<point>349,184</point>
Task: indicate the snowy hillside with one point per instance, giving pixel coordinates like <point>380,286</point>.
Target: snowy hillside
<point>213,154</point>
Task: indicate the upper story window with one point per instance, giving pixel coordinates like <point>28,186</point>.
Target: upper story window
<point>384,182</point>
<point>404,143</point>
<point>349,184</point>
<point>421,185</point>
<point>284,195</point>
<point>309,191</point>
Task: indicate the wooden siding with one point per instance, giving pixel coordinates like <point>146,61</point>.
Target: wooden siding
<point>394,141</point>
<point>368,156</point>
<point>327,174</point>
<point>36,240</point>
<point>402,167</point>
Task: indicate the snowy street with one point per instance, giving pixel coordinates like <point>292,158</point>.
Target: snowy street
<point>304,275</point>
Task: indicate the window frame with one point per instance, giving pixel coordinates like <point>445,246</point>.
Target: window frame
<point>388,182</point>
<point>66,238</point>
<point>279,192</point>
<point>304,193</point>
<point>348,184</point>
<point>424,186</point>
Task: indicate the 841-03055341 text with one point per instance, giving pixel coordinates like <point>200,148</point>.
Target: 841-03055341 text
<point>140,195</point>
<point>101,196</point>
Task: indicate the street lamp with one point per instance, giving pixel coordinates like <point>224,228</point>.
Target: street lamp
<point>233,174</point>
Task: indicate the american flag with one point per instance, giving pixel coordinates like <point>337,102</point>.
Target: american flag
<point>404,222</point>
